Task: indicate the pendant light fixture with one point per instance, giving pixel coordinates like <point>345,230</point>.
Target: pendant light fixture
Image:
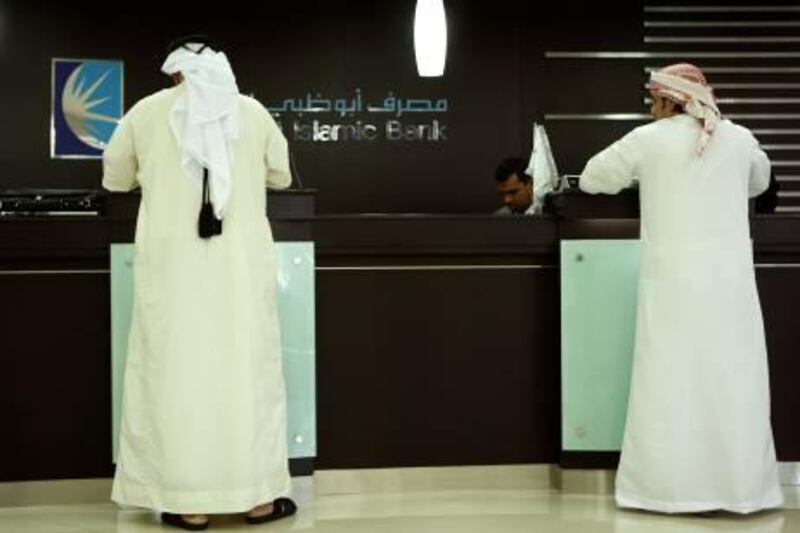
<point>430,37</point>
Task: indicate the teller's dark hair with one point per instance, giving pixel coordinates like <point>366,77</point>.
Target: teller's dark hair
<point>512,166</point>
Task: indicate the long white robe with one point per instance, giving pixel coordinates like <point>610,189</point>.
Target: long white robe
<point>204,415</point>
<point>698,435</point>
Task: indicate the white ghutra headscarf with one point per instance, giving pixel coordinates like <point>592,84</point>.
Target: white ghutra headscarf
<point>205,117</point>
<point>685,84</point>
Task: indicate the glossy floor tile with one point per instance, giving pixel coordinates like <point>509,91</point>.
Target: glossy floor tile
<point>484,511</point>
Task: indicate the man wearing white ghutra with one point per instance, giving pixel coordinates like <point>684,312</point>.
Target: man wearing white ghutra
<point>204,412</point>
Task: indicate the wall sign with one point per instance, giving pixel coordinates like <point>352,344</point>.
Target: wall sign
<point>313,118</point>
<point>86,106</point>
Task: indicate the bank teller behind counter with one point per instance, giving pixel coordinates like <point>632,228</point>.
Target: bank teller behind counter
<point>515,188</point>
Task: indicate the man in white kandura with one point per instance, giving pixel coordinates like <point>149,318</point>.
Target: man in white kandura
<point>698,435</point>
<point>204,413</point>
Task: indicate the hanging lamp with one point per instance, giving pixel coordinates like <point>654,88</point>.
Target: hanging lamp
<point>430,37</point>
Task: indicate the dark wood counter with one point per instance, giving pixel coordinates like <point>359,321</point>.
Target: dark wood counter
<point>437,336</point>
<point>437,340</point>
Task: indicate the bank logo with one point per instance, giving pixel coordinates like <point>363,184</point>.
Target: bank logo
<point>87,105</point>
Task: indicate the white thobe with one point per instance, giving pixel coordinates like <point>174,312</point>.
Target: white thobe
<point>698,435</point>
<point>204,414</point>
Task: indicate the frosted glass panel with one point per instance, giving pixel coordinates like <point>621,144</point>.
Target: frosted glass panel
<point>599,280</point>
<point>296,311</point>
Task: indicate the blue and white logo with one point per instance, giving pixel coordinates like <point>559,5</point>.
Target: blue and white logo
<point>87,105</point>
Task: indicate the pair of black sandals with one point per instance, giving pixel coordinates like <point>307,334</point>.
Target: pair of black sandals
<point>281,508</point>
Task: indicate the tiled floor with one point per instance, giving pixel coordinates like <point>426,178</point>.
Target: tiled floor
<point>452,511</point>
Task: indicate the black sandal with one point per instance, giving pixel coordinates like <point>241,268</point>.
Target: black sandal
<point>177,520</point>
<point>281,508</point>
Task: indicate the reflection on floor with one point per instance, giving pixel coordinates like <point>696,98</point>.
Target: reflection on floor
<point>442,511</point>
